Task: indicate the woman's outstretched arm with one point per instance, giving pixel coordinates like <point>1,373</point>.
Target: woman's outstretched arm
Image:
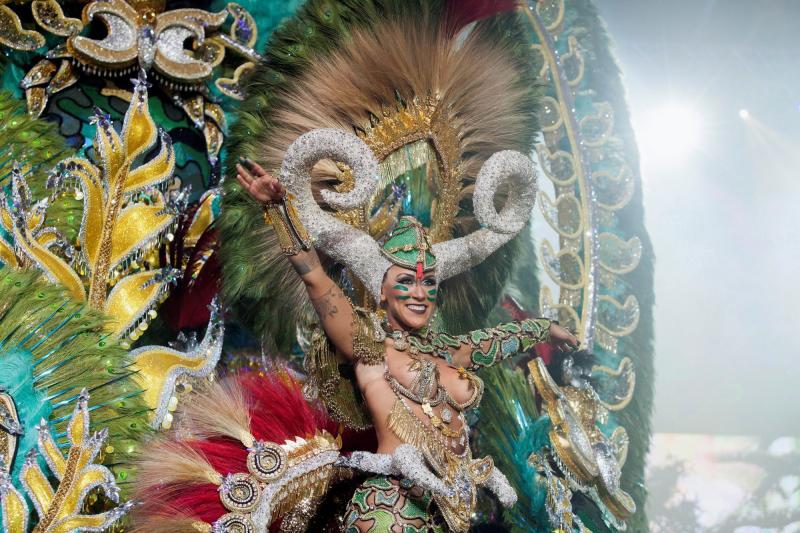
<point>485,347</point>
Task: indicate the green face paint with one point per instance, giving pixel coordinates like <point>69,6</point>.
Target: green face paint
<point>399,290</point>
<point>432,295</point>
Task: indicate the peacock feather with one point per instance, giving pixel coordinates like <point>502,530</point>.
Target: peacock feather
<point>51,348</point>
<point>37,145</point>
<point>510,428</point>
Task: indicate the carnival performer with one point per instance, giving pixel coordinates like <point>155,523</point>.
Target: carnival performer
<point>417,384</point>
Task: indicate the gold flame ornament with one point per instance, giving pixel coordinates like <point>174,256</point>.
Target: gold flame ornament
<point>141,35</point>
<point>161,371</point>
<point>60,510</point>
<point>24,220</point>
<point>127,216</point>
<point>117,264</point>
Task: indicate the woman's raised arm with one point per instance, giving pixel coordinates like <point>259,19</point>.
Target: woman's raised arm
<point>333,308</point>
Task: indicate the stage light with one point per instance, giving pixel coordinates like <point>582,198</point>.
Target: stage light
<point>744,114</point>
<point>668,134</point>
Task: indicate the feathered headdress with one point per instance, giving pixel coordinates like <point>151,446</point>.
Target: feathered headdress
<point>432,104</point>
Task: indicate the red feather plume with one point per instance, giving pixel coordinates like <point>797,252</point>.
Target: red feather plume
<point>277,412</point>
<point>459,13</point>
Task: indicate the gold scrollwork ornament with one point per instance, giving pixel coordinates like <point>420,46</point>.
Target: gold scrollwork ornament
<point>61,509</point>
<point>140,34</point>
<point>589,459</point>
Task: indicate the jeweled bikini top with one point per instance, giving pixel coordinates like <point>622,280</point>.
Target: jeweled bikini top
<point>426,387</point>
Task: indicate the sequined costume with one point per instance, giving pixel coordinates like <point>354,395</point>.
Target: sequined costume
<point>382,502</point>
<point>505,340</point>
<point>460,473</point>
<point>358,222</point>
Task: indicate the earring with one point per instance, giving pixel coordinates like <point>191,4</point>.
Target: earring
<point>382,317</point>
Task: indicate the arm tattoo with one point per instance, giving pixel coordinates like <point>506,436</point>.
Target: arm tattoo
<point>326,304</point>
<point>307,264</point>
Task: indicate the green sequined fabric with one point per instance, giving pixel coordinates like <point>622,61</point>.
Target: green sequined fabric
<point>382,504</point>
<point>489,345</point>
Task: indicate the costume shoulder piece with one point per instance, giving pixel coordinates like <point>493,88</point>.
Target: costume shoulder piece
<point>332,380</point>
<point>252,453</point>
<point>431,96</point>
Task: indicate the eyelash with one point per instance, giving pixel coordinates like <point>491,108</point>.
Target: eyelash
<point>430,282</point>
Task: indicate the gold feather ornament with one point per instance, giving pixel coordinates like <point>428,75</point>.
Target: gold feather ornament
<point>60,510</point>
<point>114,266</point>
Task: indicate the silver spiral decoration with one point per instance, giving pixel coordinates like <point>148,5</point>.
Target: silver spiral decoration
<point>239,492</point>
<point>357,250</point>
<point>512,167</point>
<point>267,462</point>
<point>456,256</point>
<point>335,238</point>
<point>326,143</point>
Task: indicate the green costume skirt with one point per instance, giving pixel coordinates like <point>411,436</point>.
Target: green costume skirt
<point>383,504</point>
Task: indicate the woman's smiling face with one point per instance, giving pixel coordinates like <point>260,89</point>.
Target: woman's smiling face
<point>409,302</point>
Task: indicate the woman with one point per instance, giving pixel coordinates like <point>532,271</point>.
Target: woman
<point>416,384</point>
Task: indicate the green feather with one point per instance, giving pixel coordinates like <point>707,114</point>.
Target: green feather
<point>16,379</point>
<point>510,430</point>
<point>50,349</point>
<point>37,145</point>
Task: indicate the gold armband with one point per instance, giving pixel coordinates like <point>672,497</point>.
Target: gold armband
<point>282,216</point>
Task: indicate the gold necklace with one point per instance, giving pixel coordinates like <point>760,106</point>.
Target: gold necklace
<point>439,424</point>
<point>400,340</point>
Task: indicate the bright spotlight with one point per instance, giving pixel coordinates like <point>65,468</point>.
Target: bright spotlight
<point>668,134</point>
<point>744,114</point>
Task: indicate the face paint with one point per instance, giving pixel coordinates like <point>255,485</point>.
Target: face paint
<point>400,290</point>
<point>432,295</point>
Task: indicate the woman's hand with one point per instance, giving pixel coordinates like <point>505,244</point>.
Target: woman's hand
<point>562,339</point>
<point>258,182</point>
